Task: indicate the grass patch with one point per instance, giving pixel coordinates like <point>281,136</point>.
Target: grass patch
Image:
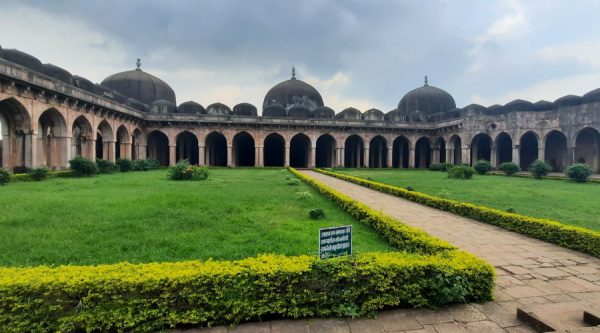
<point>567,202</point>
<point>143,217</point>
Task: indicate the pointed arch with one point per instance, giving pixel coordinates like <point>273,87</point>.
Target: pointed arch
<point>481,148</point>
<point>354,151</point>
<point>15,135</point>
<point>587,143</point>
<point>274,150</point>
<point>186,147</point>
<point>378,147</point>
<point>82,138</point>
<point>244,149</point>
<point>158,147</point>
<point>123,143</point>
<point>215,149</point>
<point>138,149</point>
<point>52,144</point>
<point>104,141</point>
<point>556,152</point>
<point>423,153</point>
<point>504,148</point>
<point>325,154</point>
<point>455,150</point>
<point>528,149</point>
<point>440,147</point>
<point>300,146</point>
<point>400,152</point>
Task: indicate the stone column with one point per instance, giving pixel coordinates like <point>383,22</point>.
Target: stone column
<point>494,157</point>
<point>541,153</point>
<point>127,148</point>
<point>201,156</point>
<point>389,157</point>
<point>466,155</point>
<point>142,151</point>
<point>570,155</point>
<point>515,155</point>
<point>313,157</point>
<point>229,156</point>
<point>261,157</point>
<point>342,157</point>
<point>287,155</point>
<point>435,152</point>
<point>172,155</point>
<point>411,158</point>
<point>450,155</point>
<point>30,150</point>
<point>366,157</point>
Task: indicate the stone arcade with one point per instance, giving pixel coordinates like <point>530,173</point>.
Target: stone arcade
<point>48,116</point>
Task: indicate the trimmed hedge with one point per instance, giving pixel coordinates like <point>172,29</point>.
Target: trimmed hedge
<point>27,177</point>
<point>576,238</point>
<point>146,297</point>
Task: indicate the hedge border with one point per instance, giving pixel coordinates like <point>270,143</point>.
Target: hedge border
<point>144,297</point>
<point>26,177</point>
<point>525,175</point>
<point>575,238</point>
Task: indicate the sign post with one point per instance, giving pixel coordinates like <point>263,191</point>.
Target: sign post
<point>335,242</point>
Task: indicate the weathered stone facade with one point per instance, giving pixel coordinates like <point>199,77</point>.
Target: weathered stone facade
<point>47,119</point>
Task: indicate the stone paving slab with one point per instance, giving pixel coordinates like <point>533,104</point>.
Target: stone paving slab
<point>530,273</point>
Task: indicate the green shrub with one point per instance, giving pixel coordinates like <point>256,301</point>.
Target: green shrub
<point>482,167</point>
<point>4,176</point>
<point>184,171</point>
<point>199,173</point>
<point>293,182</point>
<point>38,174</point>
<point>83,167</point>
<point>105,166</point>
<point>409,188</point>
<point>316,213</point>
<point>304,195</point>
<point>440,166</point>
<point>510,168</point>
<point>539,168</point>
<point>461,172</point>
<point>152,164</point>
<point>510,210</point>
<point>124,164</point>
<point>139,165</point>
<point>579,172</point>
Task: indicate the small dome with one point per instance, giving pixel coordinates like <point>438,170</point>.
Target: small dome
<point>495,110</point>
<point>427,99</point>
<point>324,113</point>
<point>245,109</point>
<point>349,114</point>
<point>58,73</point>
<point>191,107</point>
<point>118,97</point>
<point>23,59</point>
<point>134,103</point>
<point>592,96</point>
<point>163,106</point>
<point>453,113</point>
<point>474,108</point>
<point>569,100</point>
<point>299,112</point>
<point>373,114</point>
<point>274,111</point>
<point>519,105</point>
<point>140,85</point>
<point>102,91</point>
<point>395,116</point>
<point>293,92</point>
<point>542,106</point>
<point>218,109</point>
<point>83,83</point>
<point>417,117</point>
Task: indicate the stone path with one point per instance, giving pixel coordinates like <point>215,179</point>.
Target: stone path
<point>530,272</point>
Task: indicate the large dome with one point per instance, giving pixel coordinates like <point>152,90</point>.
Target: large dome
<point>140,85</point>
<point>426,99</point>
<point>293,93</point>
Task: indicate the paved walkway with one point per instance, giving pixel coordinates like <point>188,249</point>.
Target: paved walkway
<point>530,273</point>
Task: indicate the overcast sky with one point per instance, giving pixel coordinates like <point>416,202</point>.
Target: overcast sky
<point>365,54</point>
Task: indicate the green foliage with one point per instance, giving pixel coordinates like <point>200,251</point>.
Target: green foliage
<point>316,213</point>
<point>145,165</point>
<point>184,171</point>
<point>510,168</point>
<point>83,167</point>
<point>105,166</point>
<point>511,210</point>
<point>461,172</point>
<point>408,188</point>
<point>482,167</point>
<point>38,174</point>
<point>124,164</point>
<point>304,195</point>
<point>440,166</point>
<point>293,182</point>
<point>4,176</point>
<point>539,168</point>
<point>579,172</point>
<point>576,238</point>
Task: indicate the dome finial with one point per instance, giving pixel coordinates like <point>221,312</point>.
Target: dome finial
<point>138,63</point>
<point>293,73</point>
<point>426,81</point>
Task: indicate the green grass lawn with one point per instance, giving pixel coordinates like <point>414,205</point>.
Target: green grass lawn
<point>143,217</point>
<point>564,201</point>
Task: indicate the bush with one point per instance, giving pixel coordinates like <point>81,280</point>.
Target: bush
<point>184,171</point>
<point>316,213</point>
<point>539,168</point>
<point>509,168</point>
<point>4,176</point>
<point>152,164</point>
<point>579,172</point>
<point>304,195</point>
<point>105,166</point>
<point>38,174</point>
<point>511,210</point>
<point>145,165</point>
<point>293,182</point>
<point>83,167</point>
<point>482,167</point>
<point>440,166</point>
<point>124,164</point>
<point>461,172</point>
<point>409,188</point>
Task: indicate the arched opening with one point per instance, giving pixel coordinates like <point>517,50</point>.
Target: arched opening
<point>555,151</point>
<point>300,151</point>
<point>400,152</point>
<point>216,149</point>
<point>158,147</point>
<point>243,150</point>
<point>274,150</point>
<point>136,145</point>
<point>528,149</point>
<point>354,152</point>
<point>15,136</point>
<point>378,152</point>
<point>104,141</point>
<point>325,151</point>
<point>52,140</point>
<point>481,148</point>
<point>186,147</point>
<point>455,145</point>
<point>504,148</point>
<point>440,146</point>
<point>122,147</point>
<point>586,148</point>
<point>82,140</point>
<point>422,153</point>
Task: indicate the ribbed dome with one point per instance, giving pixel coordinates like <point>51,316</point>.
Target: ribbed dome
<point>427,99</point>
<point>23,59</point>
<point>291,93</point>
<point>140,85</point>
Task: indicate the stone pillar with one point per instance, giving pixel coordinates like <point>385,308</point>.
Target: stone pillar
<point>142,151</point>
<point>466,155</point>
<point>261,157</point>
<point>435,152</point>
<point>494,157</point>
<point>366,157</point>
<point>229,156</point>
<point>30,150</point>
<point>201,156</point>
<point>313,157</point>
<point>541,153</point>
<point>570,156</point>
<point>287,156</point>
<point>411,158</point>
<point>342,157</point>
<point>450,155</point>
<point>172,155</point>
<point>515,155</point>
<point>389,157</point>
<point>127,148</point>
